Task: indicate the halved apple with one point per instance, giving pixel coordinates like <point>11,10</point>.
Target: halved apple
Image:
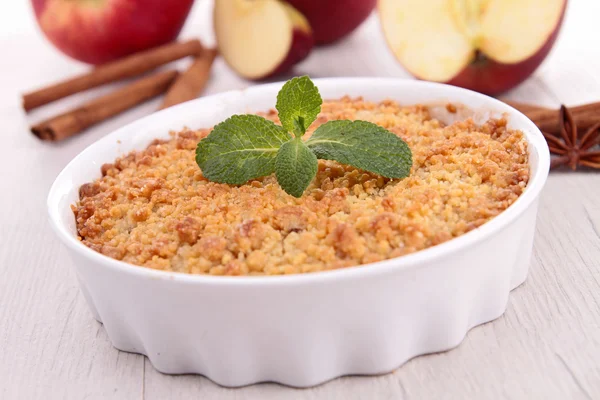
<point>485,45</point>
<point>261,38</point>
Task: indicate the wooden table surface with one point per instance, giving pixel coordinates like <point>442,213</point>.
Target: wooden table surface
<point>546,346</point>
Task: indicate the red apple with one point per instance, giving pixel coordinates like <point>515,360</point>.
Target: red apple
<point>97,31</point>
<point>259,39</point>
<point>485,45</point>
<point>333,19</point>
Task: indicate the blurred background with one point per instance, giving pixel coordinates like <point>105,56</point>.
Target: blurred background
<point>363,52</point>
<point>30,61</point>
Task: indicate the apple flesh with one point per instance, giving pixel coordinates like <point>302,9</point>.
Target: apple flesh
<point>332,20</point>
<point>98,31</point>
<point>485,45</point>
<point>259,39</point>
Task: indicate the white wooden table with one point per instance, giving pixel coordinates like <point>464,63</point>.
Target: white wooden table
<point>546,346</point>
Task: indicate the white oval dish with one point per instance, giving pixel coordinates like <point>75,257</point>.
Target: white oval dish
<point>302,330</point>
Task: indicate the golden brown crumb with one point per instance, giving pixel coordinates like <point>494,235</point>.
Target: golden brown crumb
<point>154,208</point>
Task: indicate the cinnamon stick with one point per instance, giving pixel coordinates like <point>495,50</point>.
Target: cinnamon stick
<point>74,121</point>
<point>548,120</point>
<point>127,67</point>
<point>191,82</point>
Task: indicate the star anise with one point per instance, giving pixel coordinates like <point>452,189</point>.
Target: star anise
<point>570,149</point>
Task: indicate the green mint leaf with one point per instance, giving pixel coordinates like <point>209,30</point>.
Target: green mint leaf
<point>362,145</point>
<point>295,167</point>
<point>240,148</point>
<point>298,104</point>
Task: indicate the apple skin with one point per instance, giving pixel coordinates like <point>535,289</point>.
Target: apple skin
<point>109,29</point>
<point>302,44</point>
<point>490,77</point>
<point>331,20</point>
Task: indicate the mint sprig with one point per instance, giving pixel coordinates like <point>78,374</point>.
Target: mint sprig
<point>246,147</point>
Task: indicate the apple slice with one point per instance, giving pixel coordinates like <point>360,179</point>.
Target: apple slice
<point>262,38</point>
<point>486,45</point>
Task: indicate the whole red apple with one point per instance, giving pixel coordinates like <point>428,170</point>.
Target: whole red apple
<point>98,31</point>
<point>485,45</point>
<point>331,20</point>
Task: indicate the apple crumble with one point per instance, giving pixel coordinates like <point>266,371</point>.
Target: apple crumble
<point>155,209</point>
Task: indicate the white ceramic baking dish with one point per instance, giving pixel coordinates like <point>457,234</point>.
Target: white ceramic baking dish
<point>302,330</point>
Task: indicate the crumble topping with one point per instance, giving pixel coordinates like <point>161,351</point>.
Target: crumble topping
<point>155,209</point>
